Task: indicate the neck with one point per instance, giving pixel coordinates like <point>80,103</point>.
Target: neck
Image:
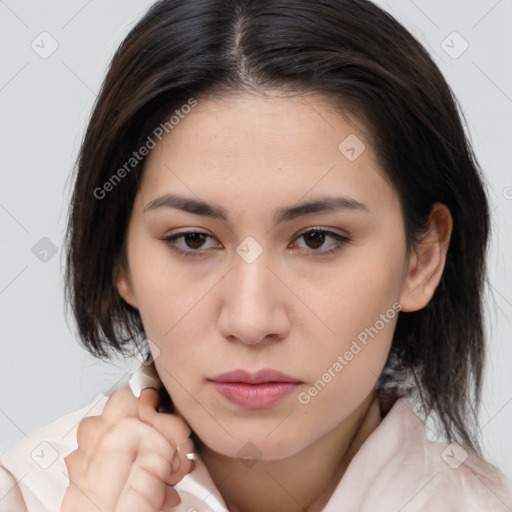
<point>303,482</point>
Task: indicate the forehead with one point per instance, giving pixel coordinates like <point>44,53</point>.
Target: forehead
<point>265,147</point>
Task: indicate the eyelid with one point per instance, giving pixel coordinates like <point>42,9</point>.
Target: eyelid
<point>341,239</point>
<point>325,229</point>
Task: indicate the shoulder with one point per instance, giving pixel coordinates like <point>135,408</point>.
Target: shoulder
<point>440,476</point>
<point>466,480</point>
<point>399,468</point>
<point>11,498</point>
<point>36,463</point>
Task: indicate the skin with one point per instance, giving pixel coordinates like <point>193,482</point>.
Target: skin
<point>127,458</point>
<point>287,309</point>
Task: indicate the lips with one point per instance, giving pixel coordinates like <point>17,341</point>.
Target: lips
<point>265,375</point>
<point>260,390</point>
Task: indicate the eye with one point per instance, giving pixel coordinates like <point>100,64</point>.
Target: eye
<point>316,238</point>
<point>193,240</point>
<point>189,243</point>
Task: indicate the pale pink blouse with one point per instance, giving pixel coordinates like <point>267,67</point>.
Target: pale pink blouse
<point>397,469</point>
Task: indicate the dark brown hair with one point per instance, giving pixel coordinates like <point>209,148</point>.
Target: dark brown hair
<point>349,51</point>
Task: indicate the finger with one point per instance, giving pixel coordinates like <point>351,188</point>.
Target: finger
<point>156,465</point>
<point>145,377</point>
<point>148,402</point>
<point>186,465</point>
<point>92,428</point>
<point>171,426</point>
<point>121,404</point>
<point>128,438</point>
<point>143,492</point>
<point>103,473</point>
<point>186,446</point>
<point>75,500</point>
<point>149,397</point>
<point>76,464</point>
<point>175,430</point>
<point>110,467</point>
<point>89,432</point>
<point>171,499</point>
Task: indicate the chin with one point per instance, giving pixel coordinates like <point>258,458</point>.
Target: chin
<point>252,448</point>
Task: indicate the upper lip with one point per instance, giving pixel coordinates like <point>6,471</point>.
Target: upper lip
<point>265,375</point>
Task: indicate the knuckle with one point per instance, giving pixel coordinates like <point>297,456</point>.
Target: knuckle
<point>67,461</point>
<point>122,403</point>
<point>87,427</point>
<point>180,429</point>
<point>155,464</point>
<point>120,433</point>
<point>76,465</point>
<point>71,458</point>
<point>143,483</point>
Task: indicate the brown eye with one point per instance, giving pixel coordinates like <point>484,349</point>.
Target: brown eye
<point>194,240</point>
<point>316,238</point>
<point>188,243</point>
<point>191,243</point>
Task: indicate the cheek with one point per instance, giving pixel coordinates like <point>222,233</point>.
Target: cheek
<point>358,309</point>
<point>354,297</point>
<point>164,294</point>
<point>349,366</point>
<point>337,393</point>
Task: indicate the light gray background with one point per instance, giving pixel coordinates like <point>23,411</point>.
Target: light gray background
<point>44,107</point>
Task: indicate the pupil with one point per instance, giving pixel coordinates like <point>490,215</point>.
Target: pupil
<point>317,237</point>
<point>196,239</point>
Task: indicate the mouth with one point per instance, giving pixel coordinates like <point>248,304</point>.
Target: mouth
<point>266,375</point>
<point>260,390</point>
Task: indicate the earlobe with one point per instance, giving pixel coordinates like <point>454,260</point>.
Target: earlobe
<point>125,288</point>
<point>427,261</point>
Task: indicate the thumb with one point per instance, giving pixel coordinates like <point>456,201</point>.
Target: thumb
<point>148,402</point>
<point>145,377</point>
<point>149,397</point>
<point>171,426</point>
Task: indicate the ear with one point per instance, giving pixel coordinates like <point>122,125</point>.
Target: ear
<point>124,285</point>
<point>427,260</point>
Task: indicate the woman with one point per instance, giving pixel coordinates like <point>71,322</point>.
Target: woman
<point>278,198</point>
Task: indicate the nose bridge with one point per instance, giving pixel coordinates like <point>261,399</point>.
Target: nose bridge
<point>252,309</point>
<point>252,277</point>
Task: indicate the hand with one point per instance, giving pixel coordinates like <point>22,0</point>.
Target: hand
<point>127,458</point>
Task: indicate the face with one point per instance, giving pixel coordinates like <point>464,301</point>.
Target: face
<point>313,293</point>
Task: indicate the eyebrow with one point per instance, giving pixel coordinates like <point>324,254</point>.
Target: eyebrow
<point>199,207</point>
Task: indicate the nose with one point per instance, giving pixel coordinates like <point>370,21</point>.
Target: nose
<point>253,307</point>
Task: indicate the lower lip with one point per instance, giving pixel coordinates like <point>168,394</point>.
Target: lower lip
<point>255,396</point>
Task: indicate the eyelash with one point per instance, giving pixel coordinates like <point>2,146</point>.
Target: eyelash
<point>341,241</point>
